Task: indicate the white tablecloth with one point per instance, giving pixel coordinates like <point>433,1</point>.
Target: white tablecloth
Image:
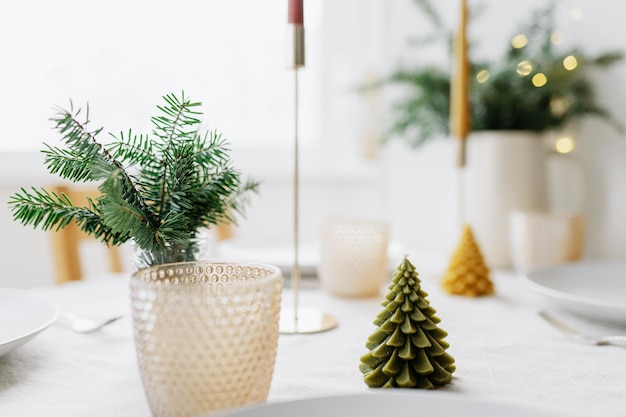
<point>503,351</point>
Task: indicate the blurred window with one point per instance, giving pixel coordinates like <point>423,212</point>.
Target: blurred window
<point>121,56</point>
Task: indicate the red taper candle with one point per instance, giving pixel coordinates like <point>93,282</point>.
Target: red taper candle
<point>295,34</point>
<point>295,13</point>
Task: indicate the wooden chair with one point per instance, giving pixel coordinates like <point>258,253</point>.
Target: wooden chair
<point>66,243</point>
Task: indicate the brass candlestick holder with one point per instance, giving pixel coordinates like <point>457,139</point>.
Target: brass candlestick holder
<point>298,319</point>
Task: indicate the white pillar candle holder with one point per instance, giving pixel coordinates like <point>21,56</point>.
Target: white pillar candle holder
<point>353,256</point>
<point>542,239</point>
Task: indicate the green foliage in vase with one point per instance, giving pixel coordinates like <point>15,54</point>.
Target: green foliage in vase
<point>507,99</point>
<point>408,349</point>
<point>157,190</point>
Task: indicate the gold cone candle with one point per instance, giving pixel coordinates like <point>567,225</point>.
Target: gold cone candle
<point>467,273</point>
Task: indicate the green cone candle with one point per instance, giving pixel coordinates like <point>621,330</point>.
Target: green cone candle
<point>407,350</point>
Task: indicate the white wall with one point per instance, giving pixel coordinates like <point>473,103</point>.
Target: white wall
<point>416,190</point>
<point>25,254</point>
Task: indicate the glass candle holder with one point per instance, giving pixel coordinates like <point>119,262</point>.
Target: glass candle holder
<point>541,239</point>
<point>353,256</point>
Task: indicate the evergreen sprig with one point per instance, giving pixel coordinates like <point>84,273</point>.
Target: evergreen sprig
<point>507,100</point>
<point>158,191</point>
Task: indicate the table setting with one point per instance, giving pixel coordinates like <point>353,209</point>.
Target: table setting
<point>186,334</point>
<point>505,354</point>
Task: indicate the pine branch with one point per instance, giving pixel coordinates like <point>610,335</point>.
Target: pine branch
<point>99,162</point>
<point>51,211</point>
<point>74,163</point>
<point>173,125</point>
<point>157,192</point>
<point>136,149</point>
<point>69,165</point>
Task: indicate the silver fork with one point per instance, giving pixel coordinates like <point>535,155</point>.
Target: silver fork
<point>83,325</point>
<point>581,337</point>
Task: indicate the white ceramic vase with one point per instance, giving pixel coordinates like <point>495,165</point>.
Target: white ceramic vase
<point>505,172</point>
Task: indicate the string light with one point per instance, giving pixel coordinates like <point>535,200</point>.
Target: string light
<point>524,68</point>
<point>558,106</point>
<point>564,144</point>
<point>570,62</point>
<point>539,79</point>
<point>482,76</point>
<point>557,38</point>
<point>519,41</point>
<point>576,13</point>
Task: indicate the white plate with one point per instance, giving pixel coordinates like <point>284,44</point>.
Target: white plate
<point>22,317</point>
<point>391,402</point>
<point>596,290</point>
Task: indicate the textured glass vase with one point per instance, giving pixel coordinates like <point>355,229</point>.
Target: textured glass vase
<point>206,334</point>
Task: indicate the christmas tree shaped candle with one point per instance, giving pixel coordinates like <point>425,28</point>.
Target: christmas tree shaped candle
<point>467,273</point>
<point>407,349</point>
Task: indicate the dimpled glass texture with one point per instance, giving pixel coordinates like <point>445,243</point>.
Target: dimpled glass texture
<point>206,334</point>
<point>353,256</point>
